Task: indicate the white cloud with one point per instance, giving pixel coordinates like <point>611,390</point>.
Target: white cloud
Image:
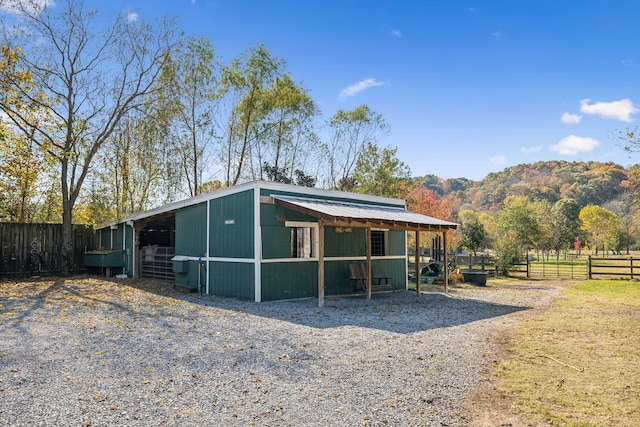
<point>617,110</point>
<point>132,16</point>
<point>359,87</point>
<point>17,7</point>
<point>396,33</point>
<point>572,145</point>
<point>626,61</point>
<point>571,118</point>
<point>528,150</point>
<point>498,160</point>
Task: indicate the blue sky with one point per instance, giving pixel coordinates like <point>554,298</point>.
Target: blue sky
<point>468,87</point>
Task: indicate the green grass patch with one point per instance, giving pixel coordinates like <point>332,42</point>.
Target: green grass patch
<point>578,363</point>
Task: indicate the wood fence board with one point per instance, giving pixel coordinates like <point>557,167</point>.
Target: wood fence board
<point>35,249</point>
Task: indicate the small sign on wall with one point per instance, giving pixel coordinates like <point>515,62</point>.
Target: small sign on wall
<point>229,221</point>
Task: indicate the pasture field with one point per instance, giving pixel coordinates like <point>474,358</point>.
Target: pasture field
<point>577,363</point>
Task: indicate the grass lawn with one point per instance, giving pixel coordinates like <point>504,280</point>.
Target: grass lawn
<point>578,362</point>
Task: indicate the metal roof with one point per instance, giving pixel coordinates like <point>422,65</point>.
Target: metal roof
<point>170,209</point>
<point>363,215</point>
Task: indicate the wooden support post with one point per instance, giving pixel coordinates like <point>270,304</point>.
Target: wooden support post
<point>320,262</point>
<point>418,278</point>
<point>369,269</point>
<point>445,275</point>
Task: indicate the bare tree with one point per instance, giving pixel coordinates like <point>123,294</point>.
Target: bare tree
<point>85,77</point>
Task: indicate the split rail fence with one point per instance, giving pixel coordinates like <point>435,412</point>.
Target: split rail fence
<point>588,267</point>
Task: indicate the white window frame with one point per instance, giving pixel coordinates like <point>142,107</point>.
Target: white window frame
<point>314,236</point>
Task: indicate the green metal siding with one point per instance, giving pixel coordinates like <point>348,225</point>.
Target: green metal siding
<point>285,280</point>
<point>232,279</point>
<point>352,244</point>
<point>191,230</point>
<point>232,227</point>
<point>337,275</point>
<point>117,237</point>
<point>105,238</point>
<point>397,244</point>
<point>189,278</point>
<point>393,268</point>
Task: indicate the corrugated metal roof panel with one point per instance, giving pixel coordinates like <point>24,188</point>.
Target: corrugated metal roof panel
<point>355,211</point>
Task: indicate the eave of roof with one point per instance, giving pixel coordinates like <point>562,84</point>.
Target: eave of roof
<point>274,186</point>
<point>344,214</point>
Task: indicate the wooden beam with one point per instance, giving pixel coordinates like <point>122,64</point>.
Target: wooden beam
<point>446,263</point>
<point>320,262</point>
<point>266,200</point>
<point>369,269</point>
<point>418,278</point>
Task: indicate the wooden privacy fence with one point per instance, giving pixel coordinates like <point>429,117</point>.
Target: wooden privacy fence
<point>36,249</point>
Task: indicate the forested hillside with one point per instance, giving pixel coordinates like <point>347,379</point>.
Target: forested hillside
<point>589,183</point>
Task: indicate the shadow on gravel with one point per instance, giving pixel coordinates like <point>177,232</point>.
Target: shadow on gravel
<point>398,312</point>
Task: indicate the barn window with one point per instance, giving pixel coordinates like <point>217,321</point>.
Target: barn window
<point>378,243</point>
<point>302,242</point>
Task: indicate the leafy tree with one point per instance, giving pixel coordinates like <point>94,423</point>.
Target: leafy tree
<point>474,236</point>
<point>626,212</point>
<point>280,175</point>
<point>137,170</point>
<point>191,86</point>
<point>565,223</point>
<point>246,80</point>
<point>517,230</point>
<point>287,139</point>
<point>488,222</point>
<point>351,131</point>
<point>21,171</point>
<point>380,172</point>
<point>276,174</point>
<point>544,240</point>
<point>601,226</point>
<point>84,78</point>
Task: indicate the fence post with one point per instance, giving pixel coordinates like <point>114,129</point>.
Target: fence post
<point>589,267</point>
<point>631,265</point>
<point>528,266</point>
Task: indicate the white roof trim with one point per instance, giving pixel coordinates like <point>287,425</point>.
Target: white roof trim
<point>254,185</point>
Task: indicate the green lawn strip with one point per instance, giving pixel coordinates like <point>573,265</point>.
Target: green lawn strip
<point>578,363</point>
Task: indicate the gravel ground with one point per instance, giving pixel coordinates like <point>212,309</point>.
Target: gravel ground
<point>88,351</point>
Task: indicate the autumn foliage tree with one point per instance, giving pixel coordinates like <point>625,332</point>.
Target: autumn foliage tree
<point>427,202</point>
<point>601,226</point>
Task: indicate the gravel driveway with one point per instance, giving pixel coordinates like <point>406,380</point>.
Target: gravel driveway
<point>89,351</point>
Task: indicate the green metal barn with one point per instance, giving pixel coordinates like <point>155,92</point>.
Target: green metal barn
<point>268,241</point>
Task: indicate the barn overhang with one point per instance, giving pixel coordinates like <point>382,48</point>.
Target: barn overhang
<point>333,213</point>
<point>347,214</point>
